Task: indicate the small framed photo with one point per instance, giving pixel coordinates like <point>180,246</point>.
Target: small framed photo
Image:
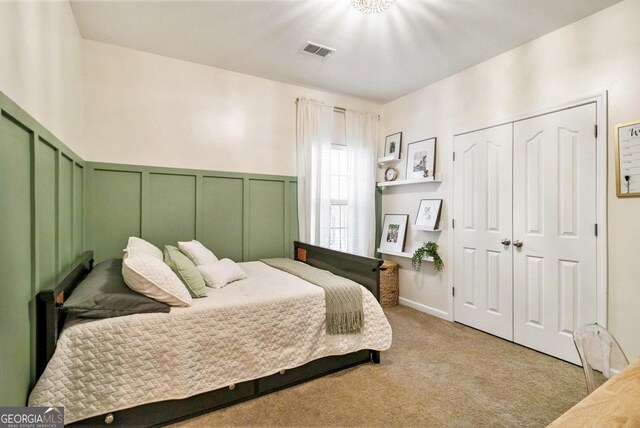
<point>394,232</point>
<point>392,145</point>
<point>428,216</point>
<point>421,159</point>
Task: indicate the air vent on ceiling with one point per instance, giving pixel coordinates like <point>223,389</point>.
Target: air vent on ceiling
<point>318,50</point>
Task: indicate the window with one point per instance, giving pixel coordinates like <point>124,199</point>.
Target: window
<point>336,181</point>
<point>339,198</point>
<point>339,185</point>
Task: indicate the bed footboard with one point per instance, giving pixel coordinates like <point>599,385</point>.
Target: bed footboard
<point>363,270</point>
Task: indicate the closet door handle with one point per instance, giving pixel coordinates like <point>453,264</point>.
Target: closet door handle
<point>518,244</point>
<point>506,241</point>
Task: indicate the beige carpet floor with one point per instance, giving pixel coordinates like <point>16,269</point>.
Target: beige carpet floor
<point>436,374</point>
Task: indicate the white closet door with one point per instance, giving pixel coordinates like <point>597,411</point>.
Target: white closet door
<point>554,206</point>
<point>482,212</point>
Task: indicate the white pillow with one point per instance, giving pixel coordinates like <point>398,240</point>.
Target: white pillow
<point>218,274</point>
<point>149,276</point>
<point>198,253</point>
<point>137,246</point>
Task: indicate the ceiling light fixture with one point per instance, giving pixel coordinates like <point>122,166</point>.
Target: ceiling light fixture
<point>371,6</point>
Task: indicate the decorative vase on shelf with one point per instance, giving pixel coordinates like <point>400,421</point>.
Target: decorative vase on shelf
<point>429,249</point>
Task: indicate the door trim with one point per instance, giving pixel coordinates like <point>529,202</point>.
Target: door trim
<point>600,100</point>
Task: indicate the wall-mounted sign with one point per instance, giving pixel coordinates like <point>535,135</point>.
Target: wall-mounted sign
<point>628,159</point>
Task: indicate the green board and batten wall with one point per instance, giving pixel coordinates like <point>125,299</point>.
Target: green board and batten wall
<point>238,216</point>
<point>55,206</point>
<point>42,227</point>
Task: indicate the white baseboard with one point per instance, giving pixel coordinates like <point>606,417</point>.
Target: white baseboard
<point>426,309</point>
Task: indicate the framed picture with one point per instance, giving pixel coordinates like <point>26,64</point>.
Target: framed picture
<point>392,145</point>
<point>421,159</point>
<point>627,159</point>
<point>429,213</point>
<point>394,232</point>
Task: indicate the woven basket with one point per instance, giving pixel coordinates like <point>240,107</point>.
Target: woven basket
<point>389,284</point>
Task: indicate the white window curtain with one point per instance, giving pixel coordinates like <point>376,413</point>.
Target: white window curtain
<point>361,139</point>
<point>314,129</point>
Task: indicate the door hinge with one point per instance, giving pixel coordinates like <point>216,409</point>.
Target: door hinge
<point>453,223</point>
<point>595,130</point>
<point>595,229</point>
<point>454,156</point>
<point>453,291</point>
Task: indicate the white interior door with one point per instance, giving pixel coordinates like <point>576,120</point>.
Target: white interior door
<point>482,212</point>
<point>554,206</point>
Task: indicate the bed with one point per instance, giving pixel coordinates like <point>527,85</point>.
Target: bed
<point>127,370</point>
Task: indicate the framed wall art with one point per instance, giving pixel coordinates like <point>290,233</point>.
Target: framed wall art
<point>627,148</point>
<point>394,232</point>
<point>392,145</point>
<point>428,216</point>
<point>421,159</point>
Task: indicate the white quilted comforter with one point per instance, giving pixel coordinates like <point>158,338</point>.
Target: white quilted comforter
<point>251,328</point>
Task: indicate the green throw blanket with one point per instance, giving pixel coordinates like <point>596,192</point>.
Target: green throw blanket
<point>343,297</point>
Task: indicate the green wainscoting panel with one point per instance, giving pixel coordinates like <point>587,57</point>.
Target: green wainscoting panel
<point>78,210</point>
<point>65,211</point>
<point>238,216</point>
<point>15,261</point>
<point>172,206</point>
<point>46,173</point>
<point>293,216</point>
<point>116,212</point>
<point>36,222</point>
<point>266,219</point>
<point>222,215</point>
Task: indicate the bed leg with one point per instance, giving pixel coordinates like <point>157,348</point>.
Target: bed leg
<point>375,357</point>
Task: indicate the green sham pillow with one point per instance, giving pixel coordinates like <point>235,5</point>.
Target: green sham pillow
<point>186,271</point>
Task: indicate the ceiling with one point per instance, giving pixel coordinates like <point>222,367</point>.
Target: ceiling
<point>378,57</point>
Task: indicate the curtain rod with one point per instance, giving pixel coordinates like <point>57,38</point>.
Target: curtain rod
<point>336,109</point>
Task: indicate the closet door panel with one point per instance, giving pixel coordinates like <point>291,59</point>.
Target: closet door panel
<point>554,215</point>
<point>482,209</point>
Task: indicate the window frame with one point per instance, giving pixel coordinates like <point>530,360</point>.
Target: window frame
<point>342,244</point>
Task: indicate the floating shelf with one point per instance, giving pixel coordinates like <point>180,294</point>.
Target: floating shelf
<point>426,229</point>
<point>387,160</point>
<point>436,179</point>
<point>403,254</point>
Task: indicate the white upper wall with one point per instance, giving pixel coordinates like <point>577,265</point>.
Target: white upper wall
<point>597,53</point>
<point>41,65</point>
<point>146,109</point>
